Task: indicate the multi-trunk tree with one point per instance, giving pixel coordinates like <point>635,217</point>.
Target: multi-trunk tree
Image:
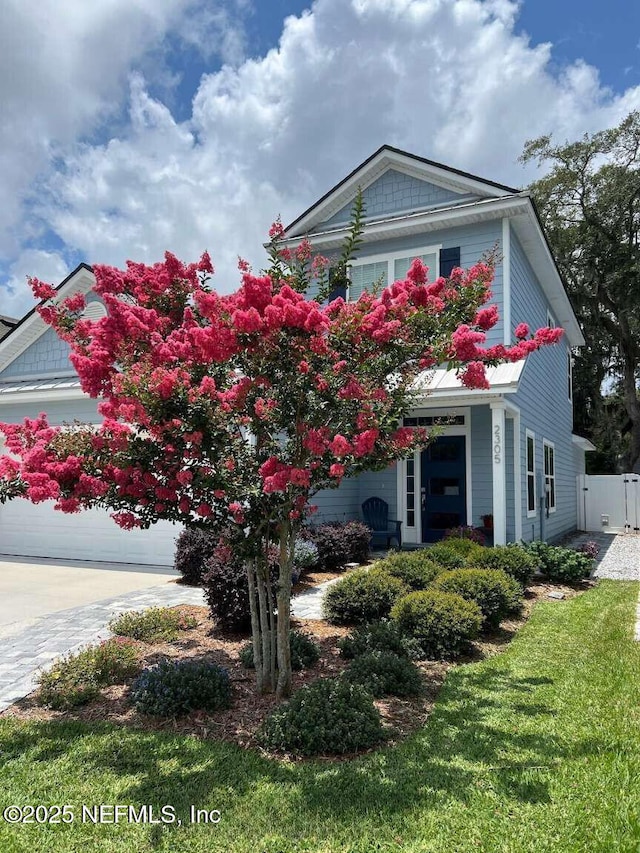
<point>232,411</point>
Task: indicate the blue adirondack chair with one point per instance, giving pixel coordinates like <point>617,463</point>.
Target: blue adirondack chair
<point>375,512</point>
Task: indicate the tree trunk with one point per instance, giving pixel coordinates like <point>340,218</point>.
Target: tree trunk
<point>632,405</point>
<point>255,624</point>
<point>287,543</point>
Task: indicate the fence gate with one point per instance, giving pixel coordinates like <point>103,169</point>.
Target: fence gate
<point>609,502</point>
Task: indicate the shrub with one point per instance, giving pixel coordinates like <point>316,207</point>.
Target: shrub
<point>512,559</point>
<point>76,679</point>
<point>442,622</point>
<point>383,673</point>
<point>305,652</point>
<point>494,591</point>
<point>152,625</point>
<point>305,558</point>
<point>340,543</point>
<point>328,716</point>
<point>362,596</point>
<point>590,549</point>
<point>174,688</point>
<point>466,548</point>
<point>382,636</point>
<point>414,568</point>
<point>446,556</point>
<point>465,533</point>
<point>563,565</point>
<point>194,547</point>
<point>226,590</point>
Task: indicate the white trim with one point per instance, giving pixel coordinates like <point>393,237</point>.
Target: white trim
<point>569,375</point>
<point>414,535</point>
<point>583,443</point>
<point>529,434</point>
<point>545,476</point>
<point>43,396</point>
<point>499,473</point>
<point>506,281</point>
<point>517,475</point>
<point>37,377</point>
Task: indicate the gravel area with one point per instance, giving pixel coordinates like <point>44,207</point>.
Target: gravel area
<point>619,557</point>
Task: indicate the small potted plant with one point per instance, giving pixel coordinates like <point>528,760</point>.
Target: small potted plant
<point>487,521</point>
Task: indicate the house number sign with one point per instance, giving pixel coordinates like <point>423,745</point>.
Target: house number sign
<point>497,444</point>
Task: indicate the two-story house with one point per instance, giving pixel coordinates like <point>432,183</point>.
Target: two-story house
<point>507,452</point>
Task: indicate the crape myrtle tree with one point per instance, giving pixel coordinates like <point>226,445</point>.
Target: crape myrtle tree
<point>232,411</point>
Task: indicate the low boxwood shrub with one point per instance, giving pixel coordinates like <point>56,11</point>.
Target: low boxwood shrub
<point>175,688</point>
<point>362,596</point>
<point>443,623</point>
<point>305,652</point>
<point>562,565</point>
<point>414,568</point>
<point>496,593</point>
<point>152,625</point>
<point>446,556</point>
<point>339,543</point>
<point>76,679</point>
<point>383,673</point>
<point>467,548</point>
<point>383,636</point>
<point>512,559</point>
<point>329,716</point>
<point>226,589</point>
<point>194,547</point>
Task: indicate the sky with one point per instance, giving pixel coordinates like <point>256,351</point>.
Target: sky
<point>129,127</point>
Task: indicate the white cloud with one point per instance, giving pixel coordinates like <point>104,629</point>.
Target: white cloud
<point>17,298</point>
<point>446,79</point>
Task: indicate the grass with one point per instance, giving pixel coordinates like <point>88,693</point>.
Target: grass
<point>537,749</point>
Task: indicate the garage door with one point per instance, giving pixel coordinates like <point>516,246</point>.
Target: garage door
<point>37,530</point>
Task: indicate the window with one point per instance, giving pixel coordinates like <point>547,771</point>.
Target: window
<point>381,270</point>
<point>411,492</point>
<point>550,474</point>
<point>531,474</point>
<point>570,375</point>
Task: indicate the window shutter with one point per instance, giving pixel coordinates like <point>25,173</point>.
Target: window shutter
<point>449,258</point>
<point>365,276</point>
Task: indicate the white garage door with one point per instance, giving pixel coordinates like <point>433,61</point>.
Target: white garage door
<point>37,530</point>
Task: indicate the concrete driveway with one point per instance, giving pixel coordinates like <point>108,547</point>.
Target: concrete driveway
<point>31,588</point>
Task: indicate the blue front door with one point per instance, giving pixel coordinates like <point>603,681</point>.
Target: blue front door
<point>443,486</point>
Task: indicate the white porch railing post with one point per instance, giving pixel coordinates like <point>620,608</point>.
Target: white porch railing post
<point>498,470</point>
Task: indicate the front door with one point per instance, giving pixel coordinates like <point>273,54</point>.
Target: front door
<point>443,486</point>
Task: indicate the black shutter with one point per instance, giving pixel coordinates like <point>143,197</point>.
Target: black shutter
<point>449,258</point>
<point>339,290</point>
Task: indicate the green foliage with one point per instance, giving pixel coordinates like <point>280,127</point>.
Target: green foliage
<point>384,673</point>
<point>330,716</point>
<point>175,688</point>
<point>378,636</point>
<point>305,652</point>
<point>563,565</point>
<point>153,625</point>
<point>496,593</point>
<point>414,568</point>
<point>362,596</point>
<point>467,548</point>
<point>442,622</point>
<point>446,555</point>
<point>512,559</point>
<point>76,679</point>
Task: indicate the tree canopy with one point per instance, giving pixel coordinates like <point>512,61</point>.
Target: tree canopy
<point>589,202</point>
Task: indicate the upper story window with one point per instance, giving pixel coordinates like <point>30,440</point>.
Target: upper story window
<point>550,474</point>
<point>381,270</point>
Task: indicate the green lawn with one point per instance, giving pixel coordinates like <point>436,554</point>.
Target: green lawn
<point>537,749</point>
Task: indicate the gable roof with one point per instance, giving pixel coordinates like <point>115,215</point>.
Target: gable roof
<point>30,327</point>
<point>385,158</point>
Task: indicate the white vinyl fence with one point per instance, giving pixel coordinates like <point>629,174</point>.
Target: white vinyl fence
<point>609,502</point>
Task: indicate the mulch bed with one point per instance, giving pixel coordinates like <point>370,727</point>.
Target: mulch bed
<point>240,723</point>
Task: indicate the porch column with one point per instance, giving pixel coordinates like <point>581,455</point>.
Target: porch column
<point>499,474</point>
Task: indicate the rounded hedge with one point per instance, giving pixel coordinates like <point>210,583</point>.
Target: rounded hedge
<point>384,673</point>
<point>447,557</point>
<point>226,590</point>
<point>378,636</point>
<point>414,568</point>
<point>443,623</point>
<point>328,716</point>
<point>305,652</point>
<point>194,547</point>
<point>494,591</point>
<point>512,559</point>
<point>363,595</point>
<point>562,565</point>
<point>174,688</point>
<point>467,548</point>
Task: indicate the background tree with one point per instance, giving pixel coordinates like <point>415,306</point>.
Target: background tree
<point>589,203</point>
<point>232,411</point>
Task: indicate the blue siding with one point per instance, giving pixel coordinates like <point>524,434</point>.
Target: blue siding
<point>45,357</point>
<point>394,193</point>
<point>544,404</point>
<point>339,504</point>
